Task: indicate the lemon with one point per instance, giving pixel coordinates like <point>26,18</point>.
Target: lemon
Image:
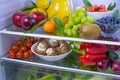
<point>39,10</point>
<point>42,3</point>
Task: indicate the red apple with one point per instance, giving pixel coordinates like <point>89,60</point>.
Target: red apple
<point>16,18</point>
<point>38,16</point>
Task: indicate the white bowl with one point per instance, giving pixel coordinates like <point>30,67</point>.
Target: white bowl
<point>98,15</point>
<point>49,58</point>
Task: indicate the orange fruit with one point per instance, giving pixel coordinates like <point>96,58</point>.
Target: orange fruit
<point>49,26</point>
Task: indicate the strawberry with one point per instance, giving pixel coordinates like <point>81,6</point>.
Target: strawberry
<point>102,10</point>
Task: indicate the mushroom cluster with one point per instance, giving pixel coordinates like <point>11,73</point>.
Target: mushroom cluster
<point>51,47</point>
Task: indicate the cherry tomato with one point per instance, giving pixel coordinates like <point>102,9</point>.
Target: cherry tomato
<point>28,45</point>
<point>12,55</point>
<point>19,55</point>
<point>102,10</point>
<point>102,6</point>
<point>31,53</point>
<point>19,42</point>
<point>23,48</point>
<point>26,54</point>
<point>32,39</point>
<point>15,47</point>
<point>10,51</point>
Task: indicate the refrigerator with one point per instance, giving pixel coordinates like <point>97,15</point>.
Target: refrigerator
<point>34,68</point>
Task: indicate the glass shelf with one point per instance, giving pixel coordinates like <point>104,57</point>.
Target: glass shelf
<point>62,65</point>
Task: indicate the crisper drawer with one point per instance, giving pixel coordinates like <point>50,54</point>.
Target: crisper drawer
<point>27,72</point>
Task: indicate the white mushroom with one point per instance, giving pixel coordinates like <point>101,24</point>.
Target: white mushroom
<point>41,47</point>
<point>51,52</point>
<point>52,42</point>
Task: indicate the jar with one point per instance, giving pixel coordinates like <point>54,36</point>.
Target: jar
<point>60,9</point>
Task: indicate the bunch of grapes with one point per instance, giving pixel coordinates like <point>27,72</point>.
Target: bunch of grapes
<point>76,20</point>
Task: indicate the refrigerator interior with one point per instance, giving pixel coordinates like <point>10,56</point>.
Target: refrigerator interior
<point>60,70</point>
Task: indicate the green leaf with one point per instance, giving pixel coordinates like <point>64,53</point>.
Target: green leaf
<point>49,77</point>
<point>87,3</point>
<point>111,7</point>
<point>33,4</point>
<point>116,14</point>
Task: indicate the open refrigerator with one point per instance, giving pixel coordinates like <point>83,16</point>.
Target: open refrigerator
<point>10,69</point>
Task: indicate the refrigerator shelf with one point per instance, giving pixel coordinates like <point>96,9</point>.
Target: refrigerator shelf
<point>56,66</point>
<point>12,30</point>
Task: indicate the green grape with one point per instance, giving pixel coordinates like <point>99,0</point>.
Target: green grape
<point>83,20</point>
<point>69,32</point>
<point>75,27</point>
<point>77,20</point>
<point>81,14</point>
<point>74,32</point>
<point>65,31</point>
<point>73,15</point>
<point>67,26</point>
<point>79,25</point>
<point>70,23</point>
<point>89,19</point>
<point>82,10</point>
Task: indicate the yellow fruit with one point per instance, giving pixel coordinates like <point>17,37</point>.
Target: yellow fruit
<point>49,26</point>
<point>42,3</point>
<point>59,9</point>
<point>39,10</point>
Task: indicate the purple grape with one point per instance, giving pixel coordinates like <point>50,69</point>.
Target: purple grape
<point>103,64</point>
<point>116,67</point>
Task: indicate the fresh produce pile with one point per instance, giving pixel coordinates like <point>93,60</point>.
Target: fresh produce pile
<point>98,8</point>
<point>76,20</point>
<point>100,55</point>
<point>22,48</point>
<point>76,24</point>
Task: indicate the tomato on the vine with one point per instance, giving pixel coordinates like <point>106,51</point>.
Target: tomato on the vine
<point>31,53</point>
<point>26,54</point>
<point>19,42</point>
<point>12,55</point>
<point>28,45</point>
<point>15,47</point>
<point>19,55</point>
<point>32,39</point>
<point>23,49</point>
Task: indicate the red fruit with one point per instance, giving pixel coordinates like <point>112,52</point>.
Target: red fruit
<point>85,7</point>
<point>38,16</point>
<point>16,18</point>
<point>116,67</point>
<point>92,9</point>
<point>102,10</point>
<point>27,22</point>
<point>96,7</point>
<point>102,6</point>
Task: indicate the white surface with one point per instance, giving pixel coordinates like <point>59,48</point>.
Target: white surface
<point>48,58</point>
<point>98,15</point>
<point>7,8</point>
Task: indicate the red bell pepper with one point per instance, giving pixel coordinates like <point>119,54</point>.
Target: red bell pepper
<point>90,53</point>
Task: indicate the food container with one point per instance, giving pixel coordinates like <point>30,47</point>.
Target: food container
<point>49,58</point>
<point>98,15</point>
